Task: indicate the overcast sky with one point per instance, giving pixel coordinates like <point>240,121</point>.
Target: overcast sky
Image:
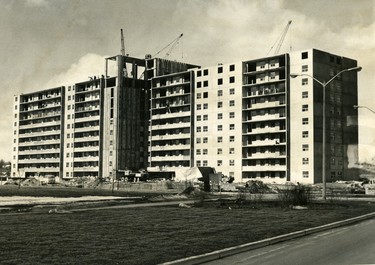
<point>45,43</point>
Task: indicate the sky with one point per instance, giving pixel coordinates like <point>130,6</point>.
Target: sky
<point>49,43</point>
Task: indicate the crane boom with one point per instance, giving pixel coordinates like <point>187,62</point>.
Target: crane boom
<point>172,44</point>
<point>280,40</point>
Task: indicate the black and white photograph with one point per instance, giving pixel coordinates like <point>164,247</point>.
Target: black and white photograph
<point>219,132</point>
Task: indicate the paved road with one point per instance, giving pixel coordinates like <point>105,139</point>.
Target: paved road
<point>353,244</point>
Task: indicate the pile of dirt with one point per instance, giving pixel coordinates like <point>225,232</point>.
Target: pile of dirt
<point>256,187</point>
<point>192,191</point>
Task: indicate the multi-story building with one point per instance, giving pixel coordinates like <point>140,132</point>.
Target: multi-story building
<point>248,119</point>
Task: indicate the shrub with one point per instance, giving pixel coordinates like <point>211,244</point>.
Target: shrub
<point>295,195</point>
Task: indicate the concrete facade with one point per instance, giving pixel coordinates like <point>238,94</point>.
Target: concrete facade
<point>248,119</point>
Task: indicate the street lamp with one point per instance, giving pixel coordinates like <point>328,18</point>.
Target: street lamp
<point>324,85</point>
<point>357,107</point>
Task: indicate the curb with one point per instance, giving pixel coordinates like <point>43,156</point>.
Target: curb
<point>218,254</point>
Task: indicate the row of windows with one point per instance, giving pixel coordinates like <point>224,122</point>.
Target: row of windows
<point>219,70</point>
<point>219,139</point>
<point>219,151</point>
<point>232,91</point>
<point>232,80</point>
<point>204,163</point>
<point>219,105</point>
<point>219,128</point>
<point>219,116</point>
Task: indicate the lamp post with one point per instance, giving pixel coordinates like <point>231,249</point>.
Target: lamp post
<point>324,85</point>
<point>357,107</point>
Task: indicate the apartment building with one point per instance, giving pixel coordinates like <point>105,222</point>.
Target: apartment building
<point>247,119</point>
<point>252,121</point>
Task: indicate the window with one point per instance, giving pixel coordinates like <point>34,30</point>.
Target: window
<point>231,103</point>
<point>219,93</point>
<point>219,151</point>
<point>305,68</point>
<point>333,161</point>
<point>205,163</point>
<point>68,107</point>
<point>231,91</point>
<point>305,147</point>
<point>231,138</point>
<point>272,75</point>
<point>231,79</point>
<point>69,97</point>
<point>305,121</point>
<point>198,163</point>
<point>219,163</point>
<point>231,115</point>
<point>220,127</point>
<point>205,151</point>
<point>198,151</point>
<point>110,153</point>
<point>305,108</point>
<point>205,106</point>
<point>199,95</point>
<point>198,140</point>
<point>199,73</point>
<point>220,104</point>
<point>199,118</point>
<point>205,117</point>
<point>231,67</point>
<point>305,81</point>
<point>220,139</point>
<point>199,106</point>
<point>305,134</point>
<point>205,140</point>
<point>219,116</point>
<point>305,160</point>
<point>205,83</point>
<point>231,151</point>
<point>199,84</point>
<point>205,128</point>
<point>305,94</point>
<point>304,55</point>
<point>199,129</point>
<point>110,163</point>
<point>305,174</point>
<point>111,142</point>
<point>231,127</point>
<point>68,116</point>
<point>205,95</point>
<point>219,69</point>
<point>205,72</point>
<point>67,164</point>
<point>220,81</point>
<point>231,162</point>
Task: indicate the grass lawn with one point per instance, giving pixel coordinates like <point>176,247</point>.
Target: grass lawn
<point>152,235</point>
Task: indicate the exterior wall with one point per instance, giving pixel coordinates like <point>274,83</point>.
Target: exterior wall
<point>265,121</point>
<point>171,123</point>
<point>218,116</point>
<point>37,134</point>
<point>305,128</point>
<point>68,133</point>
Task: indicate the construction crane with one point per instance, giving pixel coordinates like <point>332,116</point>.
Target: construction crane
<point>172,45</point>
<point>123,52</point>
<point>280,40</point>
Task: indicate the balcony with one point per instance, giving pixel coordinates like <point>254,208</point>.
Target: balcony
<point>86,169</point>
<point>86,148</point>
<point>265,117</point>
<point>265,155</point>
<point>170,147</point>
<point>171,115</point>
<point>273,142</point>
<point>264,168</point>
<point>265,105</point>
<point>41,151</point>
<point>43,133</point>
<point>265,130</point>
<point>39,161</point>
<point>40,124</point>
<point>45,142</point>
<point>169,158</point>
<point>171,126</point>
<point>86,158</point>
<point>87,129</point>
<point>86,139</point>
<point>170,136</point>
<point>89,118</point>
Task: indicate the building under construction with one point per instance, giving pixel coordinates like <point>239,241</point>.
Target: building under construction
<point>247,119</point>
